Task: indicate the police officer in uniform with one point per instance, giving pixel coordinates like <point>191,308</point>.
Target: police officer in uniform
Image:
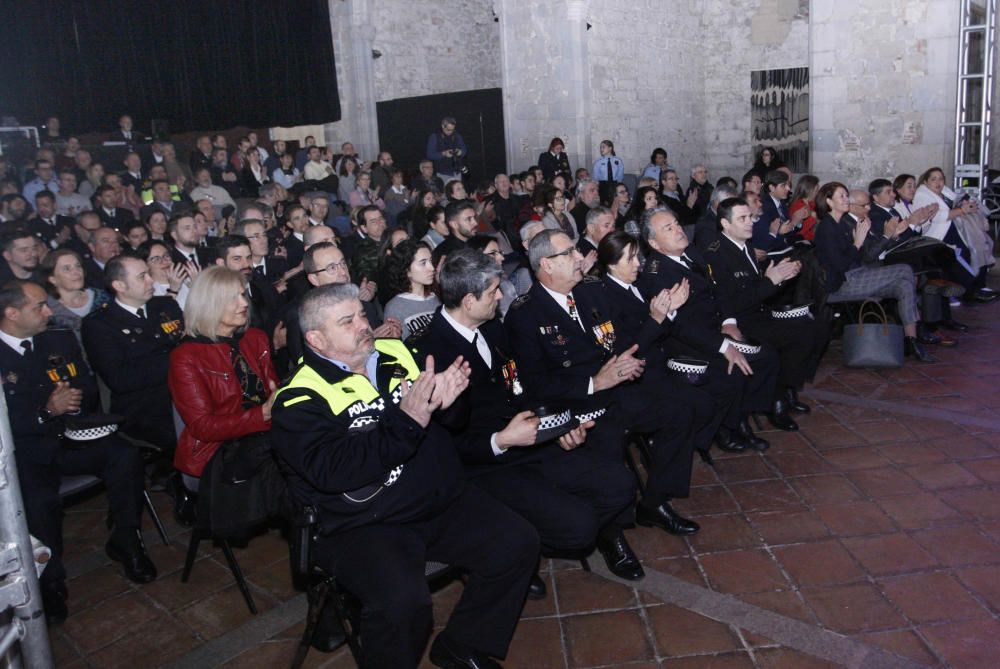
<point>565,340</point>
<point>353,431</point>
<point>702,330</point>
<point>571,496</point>
<point>46,382</point>
<point>743,290</point>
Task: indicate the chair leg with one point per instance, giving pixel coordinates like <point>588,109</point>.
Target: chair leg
<point>238,575</point>
<point>156,518</point>
<point>349,615</point>
<point>317,600</point>
<point>634,466</point>
<point>192,552</point>
<point>757,422</point>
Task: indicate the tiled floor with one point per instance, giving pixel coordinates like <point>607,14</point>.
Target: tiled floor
<point>879,521</point>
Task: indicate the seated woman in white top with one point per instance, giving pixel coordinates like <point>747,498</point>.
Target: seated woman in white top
<point>410,275</point>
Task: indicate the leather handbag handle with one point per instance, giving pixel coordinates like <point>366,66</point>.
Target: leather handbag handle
<point>865,310</point>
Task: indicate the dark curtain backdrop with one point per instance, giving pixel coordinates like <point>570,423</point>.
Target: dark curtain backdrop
<point>200,64</point>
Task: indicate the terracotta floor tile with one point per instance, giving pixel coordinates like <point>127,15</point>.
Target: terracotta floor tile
<point>884,482</point>
<point>819,563</point>
<point>850,415</point>
<point>917,510</point>
<point>889,554</point>
<point>793,442</point>
<point>651,543</point>
<point>853,607</point>
<point>161,638</point>
<point>911,453</point>
<point>207,577</point>
<point>925,598</point>
<point>786,527</point>
<point>765,496</point>
<point>606,638</point>
<point>974,502</point>
<point>743,571</point>
<point>828,489</point>
<point>95,587</point>
<point>834,436</point>
<point>108,621</point>
<point>786,658</point>
<point>446,596</point>
<point>967,644</point>
<point>63,652</point>
<point>582,592</point>
<point>966,447</point>
<point>536,644</point>
<point>708,499</point>
<point>984,581</point>
<point>682,632</point>
<point>855,518</point>
<point>960,545</point>
<point>988,470</point>
<point>881,431</point>
<point>223,611</point>
<point>537,608</point>
<point>720,533</point>
<point>784,602</point>
<point>941,475</point>
<point>803,463</point>
<point>855,457</point>
<point>724,661</point>
<point>743,469</point>
<point>904,643</point>
<point>683,568</point>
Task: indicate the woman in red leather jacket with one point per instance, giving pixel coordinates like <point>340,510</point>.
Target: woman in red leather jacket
<point>221,378</point>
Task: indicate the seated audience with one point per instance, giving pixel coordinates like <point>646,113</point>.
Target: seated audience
<point>410,276</point>
<point>69,298</point>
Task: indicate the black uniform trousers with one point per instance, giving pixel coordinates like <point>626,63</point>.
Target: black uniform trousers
<point>116,463</point>
<point>737,394</point>
<point>570,498</point>
<point>383,565</point>
<point>800,343</point>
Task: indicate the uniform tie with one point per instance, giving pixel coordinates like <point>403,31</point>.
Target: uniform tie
<point>26,345</point>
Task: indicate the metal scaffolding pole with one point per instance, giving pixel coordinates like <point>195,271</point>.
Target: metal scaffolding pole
<point>973,112</point>
<point>19,585</point>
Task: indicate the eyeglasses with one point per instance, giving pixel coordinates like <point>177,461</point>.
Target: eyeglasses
<point>568,252</point>
<point>496,254</point>
<point>259,235</point>
<point>331,268</point>
<point>158,259</point>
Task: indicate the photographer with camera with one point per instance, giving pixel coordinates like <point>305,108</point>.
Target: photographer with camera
<point>448,151</point>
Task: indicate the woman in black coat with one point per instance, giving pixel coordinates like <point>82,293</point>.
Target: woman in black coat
<point>554,161</point>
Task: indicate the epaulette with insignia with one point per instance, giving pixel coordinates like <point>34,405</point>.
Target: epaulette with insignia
<point>714,246</point>
<point>654,267</point>
<point>523,299</point>
<point>590,278</point>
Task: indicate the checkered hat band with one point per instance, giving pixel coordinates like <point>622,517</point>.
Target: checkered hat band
<point>553,421</point>
<point>797,312</point>
<point>593,415</point>
<point>686,368</point>
<point>90,433</point>
<point>744,348</point>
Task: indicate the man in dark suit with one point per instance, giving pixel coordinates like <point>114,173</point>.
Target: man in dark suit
<point>128,342</point>
<point>564,339</point>
<point>265,302</point>
<point>132,176</point>
<point>774,224</point>
<point>47,225</point>
<point>297,221</point>
<point>183,231</point>
<point>461,219</point>
<point>111,215</point>
<point>125,132</point>
<point>599,222</point>
<point>46,380</point>
<point>706,229</point>
<point>265,265</point>
<point>701,330</point>
<point>104,244</point>
<point>743,288</point>
<point>561,487</point>
<point>201,154</point>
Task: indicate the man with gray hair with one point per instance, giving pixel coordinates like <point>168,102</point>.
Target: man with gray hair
<point>599,223</point>
<point>353,428</point>
<point>588,196</point>
<point>568,354</point>
<point>706,230</point>
<point>564,490</point>
<point>701,185</point>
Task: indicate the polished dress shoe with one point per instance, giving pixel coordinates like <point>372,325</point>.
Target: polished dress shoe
<point>916,349</point>
<point>666,518</point>
<point>706,456</point>
<point>780,419</point>
<point>747,435</point>
<point>185,502</point>
<point>126,546</point>
<point>54,595</point>
<point>955,326</point>
<point>729,441</point>
<point>450,654</point>
<point>793,402</point>
<point>329,633</point>
<point>620,559</point>
<point>537,589</point>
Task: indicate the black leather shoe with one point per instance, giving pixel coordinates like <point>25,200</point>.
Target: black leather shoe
<point>620,559</point>
<point>780,419</point>
<point>793,402</point>
<point>984,296</point>
<point>747,435</point>
<point>666,518</point>
<point>329,633</point>
<point>537,589</point>
<point>450,654</point>
<point>54,595</point>
<point>185,502</point>
<point>126,546</point>
<point>954,326</point>
<point>916,349</point>
<point>706,456</point>
<point>729,441</point>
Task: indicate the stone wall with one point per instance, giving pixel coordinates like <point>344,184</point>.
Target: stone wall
<point>883,83</point>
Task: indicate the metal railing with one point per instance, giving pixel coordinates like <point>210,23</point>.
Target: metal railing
<point>973,111</point>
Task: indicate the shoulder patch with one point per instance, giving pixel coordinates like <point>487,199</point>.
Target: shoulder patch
<point>653,267</point>
<point>590,278</point>
<point>520,301</point>
<point>714,246</point>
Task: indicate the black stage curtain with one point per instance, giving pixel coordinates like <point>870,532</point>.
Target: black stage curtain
<point>200,64</point>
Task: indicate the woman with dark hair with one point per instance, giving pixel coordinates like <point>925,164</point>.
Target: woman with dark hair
<point>839,247</point>
<point>645,198</point>
<point>905,187</point>
<point>436,226</point>
<point>804,197</point>
<point>156,222</point>
<point>673,196</point>
<point>253,175</point>
<point>410,273</point>
<point>557,216</point>
<point>414,218</point>
<point>657,163</point>
<point>554,161</point>
<point>135,234</point>
<point>347,174</point>
<point>69,300</point>
<point>168,278</point>
<point>489,247</point>
<point>767,160</point>
<point>363,194</point>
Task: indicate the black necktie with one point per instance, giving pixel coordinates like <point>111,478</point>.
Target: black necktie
<point>141,313</point>
<point>691,265</point>
<point>194,260</point>
<point>894,214</point>
<point>749,257</point>
<point>611,177</point>
<point>26,345</point>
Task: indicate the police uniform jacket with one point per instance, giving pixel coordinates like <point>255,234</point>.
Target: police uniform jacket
<point>493,397</point>
<point>349,450</point>
<point>740,285</point>
<point>132,356</point>
<point>46,231</point>
<point>634,325</point>
<point>555,356</point>
<point>28,381</point>
<point>697,327</point>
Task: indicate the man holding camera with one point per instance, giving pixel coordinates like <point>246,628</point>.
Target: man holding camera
<point>447,150</point>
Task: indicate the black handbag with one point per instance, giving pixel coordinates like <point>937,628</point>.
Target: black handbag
<point>878,344</point>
